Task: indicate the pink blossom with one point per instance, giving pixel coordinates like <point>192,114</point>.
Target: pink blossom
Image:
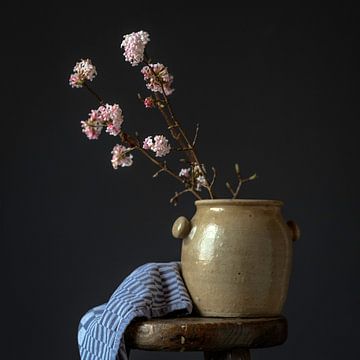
<point>158,77</point>
<point>92,131</point>
<point>115,119</point>
<point>86,69</point>
<point>93,115</point>
<point>185,172</point>
<point>83,70</point>
<point>75,81</point>
<point>121,156</point>
<point>109,116</point>
<point>160,145</point>
<point>106,115</point>
<point>200,182</point>
<point>149,102</point>
<point>113,129</point>
<point>148,143</point>
<point>103,113</point>
<point>134,46</point>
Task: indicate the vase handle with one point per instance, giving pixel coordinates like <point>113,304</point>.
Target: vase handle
<point>294,230</point>
<point>181,227</point>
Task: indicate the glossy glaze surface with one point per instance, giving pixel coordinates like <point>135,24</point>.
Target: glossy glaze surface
<point>236,257</point>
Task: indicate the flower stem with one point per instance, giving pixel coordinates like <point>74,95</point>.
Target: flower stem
<point>91,90</point>
<point>167,170</point>
<point>174,126</point>
<point>134,143</point>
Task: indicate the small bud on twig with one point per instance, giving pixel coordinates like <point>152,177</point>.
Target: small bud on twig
<point>237,169</point>
<point>196,134</point>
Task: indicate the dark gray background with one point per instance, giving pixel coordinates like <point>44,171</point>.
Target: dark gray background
<point>274,88</point>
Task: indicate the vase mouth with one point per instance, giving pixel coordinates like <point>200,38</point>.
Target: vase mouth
<point>242,202</point>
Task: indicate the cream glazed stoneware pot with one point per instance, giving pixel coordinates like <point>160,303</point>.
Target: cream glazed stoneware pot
<point>236,257</point>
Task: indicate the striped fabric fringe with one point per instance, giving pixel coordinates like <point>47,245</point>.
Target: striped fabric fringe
<point>152,290</point>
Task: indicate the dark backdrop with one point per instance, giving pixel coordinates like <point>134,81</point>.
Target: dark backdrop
<point>274,88</point>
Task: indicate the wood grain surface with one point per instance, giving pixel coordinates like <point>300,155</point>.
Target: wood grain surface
<point>206,334</point>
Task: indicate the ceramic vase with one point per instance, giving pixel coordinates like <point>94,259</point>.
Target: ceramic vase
<point>236,257</point>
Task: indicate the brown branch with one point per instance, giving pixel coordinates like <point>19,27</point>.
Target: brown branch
<point>183,149</point>
<point>171,120</point>
<point>159,164</point>
<point>90,89</point>
<point>170,125</point>
<point>134,143</point>
<point>174,199</point>
<point>173,123</point>
<point>161,170</point>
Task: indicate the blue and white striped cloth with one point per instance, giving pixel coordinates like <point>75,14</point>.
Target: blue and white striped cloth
<point>152,290</point>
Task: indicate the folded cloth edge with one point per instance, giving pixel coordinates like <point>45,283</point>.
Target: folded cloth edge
<point>167,281</point>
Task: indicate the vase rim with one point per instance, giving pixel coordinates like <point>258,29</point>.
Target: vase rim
<point>249,202</point>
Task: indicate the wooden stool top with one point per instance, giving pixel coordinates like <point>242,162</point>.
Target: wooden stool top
<point>205,334</point>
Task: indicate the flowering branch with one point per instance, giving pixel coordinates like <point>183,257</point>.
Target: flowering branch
<point>120,153</point>
<point>160,81</point>
<point>194,177</point>
<point>163,168</point>
<point>158,71</point>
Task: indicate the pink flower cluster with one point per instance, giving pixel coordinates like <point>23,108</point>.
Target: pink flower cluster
<point>109,116</point>
<point>91,129</point>
<point>158,78</point>
<point>83,70</point>
<point>200,180</point>
<point>134,46</point>
<point>160,145</point>
<point>121,156</point>
<point>185,173</point>
<point>149,102</point>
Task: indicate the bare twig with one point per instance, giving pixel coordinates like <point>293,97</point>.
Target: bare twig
<point>230,188</point>
<point>183,149</point>
<point>196,135</point>
<point>241,181</point>
<point>164,168</point>
<point>158,172</point>
<point>174,199</point>
<point>213,178</point>
<point>159,164</point>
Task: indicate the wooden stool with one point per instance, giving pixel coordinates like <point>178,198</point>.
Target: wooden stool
<point>218,338</point>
